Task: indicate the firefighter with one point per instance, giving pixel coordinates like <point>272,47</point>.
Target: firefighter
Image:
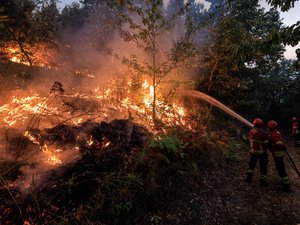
<point>278,149</point>
<point>258,152</point>
<point>295,131</point>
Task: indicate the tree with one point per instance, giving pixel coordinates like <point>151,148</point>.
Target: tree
<point>87,28</point>
<point>285,5</point>
<point>239,53</point>
<point>290,35</point>
<point>46,23</point>
<point>73,17</point>
<point>18,26</point>
<point>30,22</point>
<point>144,24</point>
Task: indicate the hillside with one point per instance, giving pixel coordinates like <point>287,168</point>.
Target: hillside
<point>119,172</point>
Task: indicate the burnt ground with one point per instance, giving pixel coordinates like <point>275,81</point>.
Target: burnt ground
<point>212,191</point>
<point>223,197</point>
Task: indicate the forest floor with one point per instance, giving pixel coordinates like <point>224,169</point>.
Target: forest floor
<point>230,200</point>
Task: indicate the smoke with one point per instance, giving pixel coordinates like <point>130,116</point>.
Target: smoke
<point>38,164</point>
<point>82,66</point>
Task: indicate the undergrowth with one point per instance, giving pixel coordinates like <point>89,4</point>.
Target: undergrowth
<point>121,186</point>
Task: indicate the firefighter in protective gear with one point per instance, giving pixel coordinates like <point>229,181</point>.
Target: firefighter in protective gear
<point>258,152</point>
<point>295,131</point>
<point>278,149</point>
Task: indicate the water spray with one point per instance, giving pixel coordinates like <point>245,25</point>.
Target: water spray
<point>215,102</point>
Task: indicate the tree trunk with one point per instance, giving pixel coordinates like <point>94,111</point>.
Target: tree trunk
<point>20,46</point>
<point>154,76</point>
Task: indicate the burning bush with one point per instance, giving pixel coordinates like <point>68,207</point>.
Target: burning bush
<point>40,54</point>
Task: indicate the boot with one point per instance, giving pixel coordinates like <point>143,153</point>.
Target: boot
<point>248,178</point>
<point>263,183</point>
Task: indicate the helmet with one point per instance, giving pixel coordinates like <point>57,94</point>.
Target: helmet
<point>257,121</point>
<point>294,118</point>
<point>272,124</point>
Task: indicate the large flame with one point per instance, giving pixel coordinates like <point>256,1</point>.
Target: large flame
<point>35,111</point>
<point>21,109</point>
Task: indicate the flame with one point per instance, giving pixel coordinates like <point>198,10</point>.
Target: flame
<point>145,84</point>
<point>105,142</point>
<point>42,54</point>
<point>50,158</point>
<point>29,108</point>
<point>22,108</point>
<point>31,137</point>
<point>90,142</point>
<point>151,91</point>
<point>53,160</point>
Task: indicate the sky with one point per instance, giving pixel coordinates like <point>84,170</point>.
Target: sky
<point>289,18</point>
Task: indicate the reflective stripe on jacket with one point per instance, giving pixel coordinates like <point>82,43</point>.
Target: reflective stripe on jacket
<point>258,141</point>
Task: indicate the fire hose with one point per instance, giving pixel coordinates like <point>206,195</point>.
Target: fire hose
<point>292,163</point>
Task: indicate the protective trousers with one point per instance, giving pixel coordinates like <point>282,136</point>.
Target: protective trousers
<point>279,163</point>
<point>297,139</point>
<point>263,164</point>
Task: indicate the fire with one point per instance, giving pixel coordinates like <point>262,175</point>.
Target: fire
<point>43,55</point>
<point>105,142</point>
<point>151,91</point>
<point>50,154</point>
<point>33,111</point>
<point>145,84</point>
<point>50,157</point>
<point>53,160</point>
<point>90,142</point>
<point>22,109</point>
<point>31,137</point>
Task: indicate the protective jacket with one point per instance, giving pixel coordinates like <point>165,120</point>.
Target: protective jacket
<point>258,141</point>
<point>276,144</point>
<point>295,129</point>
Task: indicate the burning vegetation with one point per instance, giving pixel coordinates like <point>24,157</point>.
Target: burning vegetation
<point>100,122</point>
<point>64,130</point>
<point>41,54</point>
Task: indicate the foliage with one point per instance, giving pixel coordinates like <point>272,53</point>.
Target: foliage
<point>232,154</point>
<point>30,22</point>
<point>155,219</point>
<point>241,53</point>
<point>289,35</point>
<point>285,5</point>
<point>123,207</point>
<point>167,144</point>
<point>144,24</point>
